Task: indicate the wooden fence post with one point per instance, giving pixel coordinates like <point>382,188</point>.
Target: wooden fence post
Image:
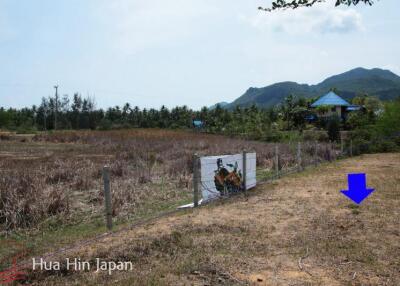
<point>107,196</point>
<point>277,160</point>
<point>244,171</point>
<point>196,179</point>
<point>299,163</point>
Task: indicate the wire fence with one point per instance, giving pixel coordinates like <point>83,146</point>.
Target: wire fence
<point>285,159</point>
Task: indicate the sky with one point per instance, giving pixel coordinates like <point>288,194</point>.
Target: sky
<point>183,52</point>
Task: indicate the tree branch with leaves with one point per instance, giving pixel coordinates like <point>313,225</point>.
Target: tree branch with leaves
<point>283,5</point>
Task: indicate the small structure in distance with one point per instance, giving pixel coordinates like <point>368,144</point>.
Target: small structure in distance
<point>198,124</point>
<point>332,104</point>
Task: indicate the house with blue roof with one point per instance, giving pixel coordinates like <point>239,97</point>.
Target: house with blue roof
<point>332,104</point>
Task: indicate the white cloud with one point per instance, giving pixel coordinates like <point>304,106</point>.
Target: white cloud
<point>135,25</point>
<point>321,18</point>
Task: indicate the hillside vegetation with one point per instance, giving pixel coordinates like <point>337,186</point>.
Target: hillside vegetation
<point>375,82</point>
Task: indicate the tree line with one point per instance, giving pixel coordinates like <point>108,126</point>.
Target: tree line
<point>292,116</point>
<point>81,113</point>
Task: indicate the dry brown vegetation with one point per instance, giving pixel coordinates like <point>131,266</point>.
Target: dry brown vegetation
<point>298,230</point>
<point>59,174</point>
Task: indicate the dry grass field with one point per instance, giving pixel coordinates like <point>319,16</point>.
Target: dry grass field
<point>51,189</point>
<point>298,230</point>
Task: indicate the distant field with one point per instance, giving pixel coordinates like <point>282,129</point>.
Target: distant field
<point>51,187</point>
<point>298,230</point>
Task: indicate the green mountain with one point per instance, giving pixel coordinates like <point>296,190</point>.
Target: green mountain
<point>221,104</point>
<point>377,82</point>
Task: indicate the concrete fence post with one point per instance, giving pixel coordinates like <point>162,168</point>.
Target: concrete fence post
<point>299,162</point>
<point>244,170</point>
<point>196,179</point>
<point>341,145</point>
<point>316,153</point>
<point>107,196</point>
<point>351,147</point>
<point>277,160</point>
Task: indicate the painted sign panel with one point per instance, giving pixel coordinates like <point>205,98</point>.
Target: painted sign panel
<point>222,175</point>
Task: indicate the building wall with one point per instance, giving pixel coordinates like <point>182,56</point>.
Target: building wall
<point>339,111</point>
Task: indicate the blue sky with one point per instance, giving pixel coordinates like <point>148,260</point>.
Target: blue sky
<point>175,52</point>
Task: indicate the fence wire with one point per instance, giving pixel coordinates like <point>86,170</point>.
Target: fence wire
<point>311,156</point>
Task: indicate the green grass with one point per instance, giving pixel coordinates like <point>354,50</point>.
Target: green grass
<point>265,174</point>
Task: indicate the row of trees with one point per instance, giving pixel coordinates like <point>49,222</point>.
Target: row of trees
<point>256,123</point>
<point>78,114</point>
<point>81,113</point>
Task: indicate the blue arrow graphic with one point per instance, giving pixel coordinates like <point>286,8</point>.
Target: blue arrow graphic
<point>357,191</point>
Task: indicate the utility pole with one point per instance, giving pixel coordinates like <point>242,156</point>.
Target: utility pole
<point>45,118</point>
<point>56,111</point>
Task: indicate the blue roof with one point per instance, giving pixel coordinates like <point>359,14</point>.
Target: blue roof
<point>197,123</point>
<point>353,108</point>
<point>330,98</point>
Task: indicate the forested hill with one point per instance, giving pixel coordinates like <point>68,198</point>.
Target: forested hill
<point>378,82</point>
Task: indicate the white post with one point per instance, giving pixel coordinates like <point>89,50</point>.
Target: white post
<point>244,172</point>
<point>196,179</point>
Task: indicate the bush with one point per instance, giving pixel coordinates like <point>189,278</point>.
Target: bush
<point>389,123</point>
<point>364,134</point>
<point>333,128</point>
<point>382,137</point>
<point>357,119</point>
<point>384,145</point>
<point>370,140</point>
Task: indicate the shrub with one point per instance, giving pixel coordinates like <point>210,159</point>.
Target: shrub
<point>383,145</point>
<point>389,123</point>
<point>371,140</point>
<point>333,128</point>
